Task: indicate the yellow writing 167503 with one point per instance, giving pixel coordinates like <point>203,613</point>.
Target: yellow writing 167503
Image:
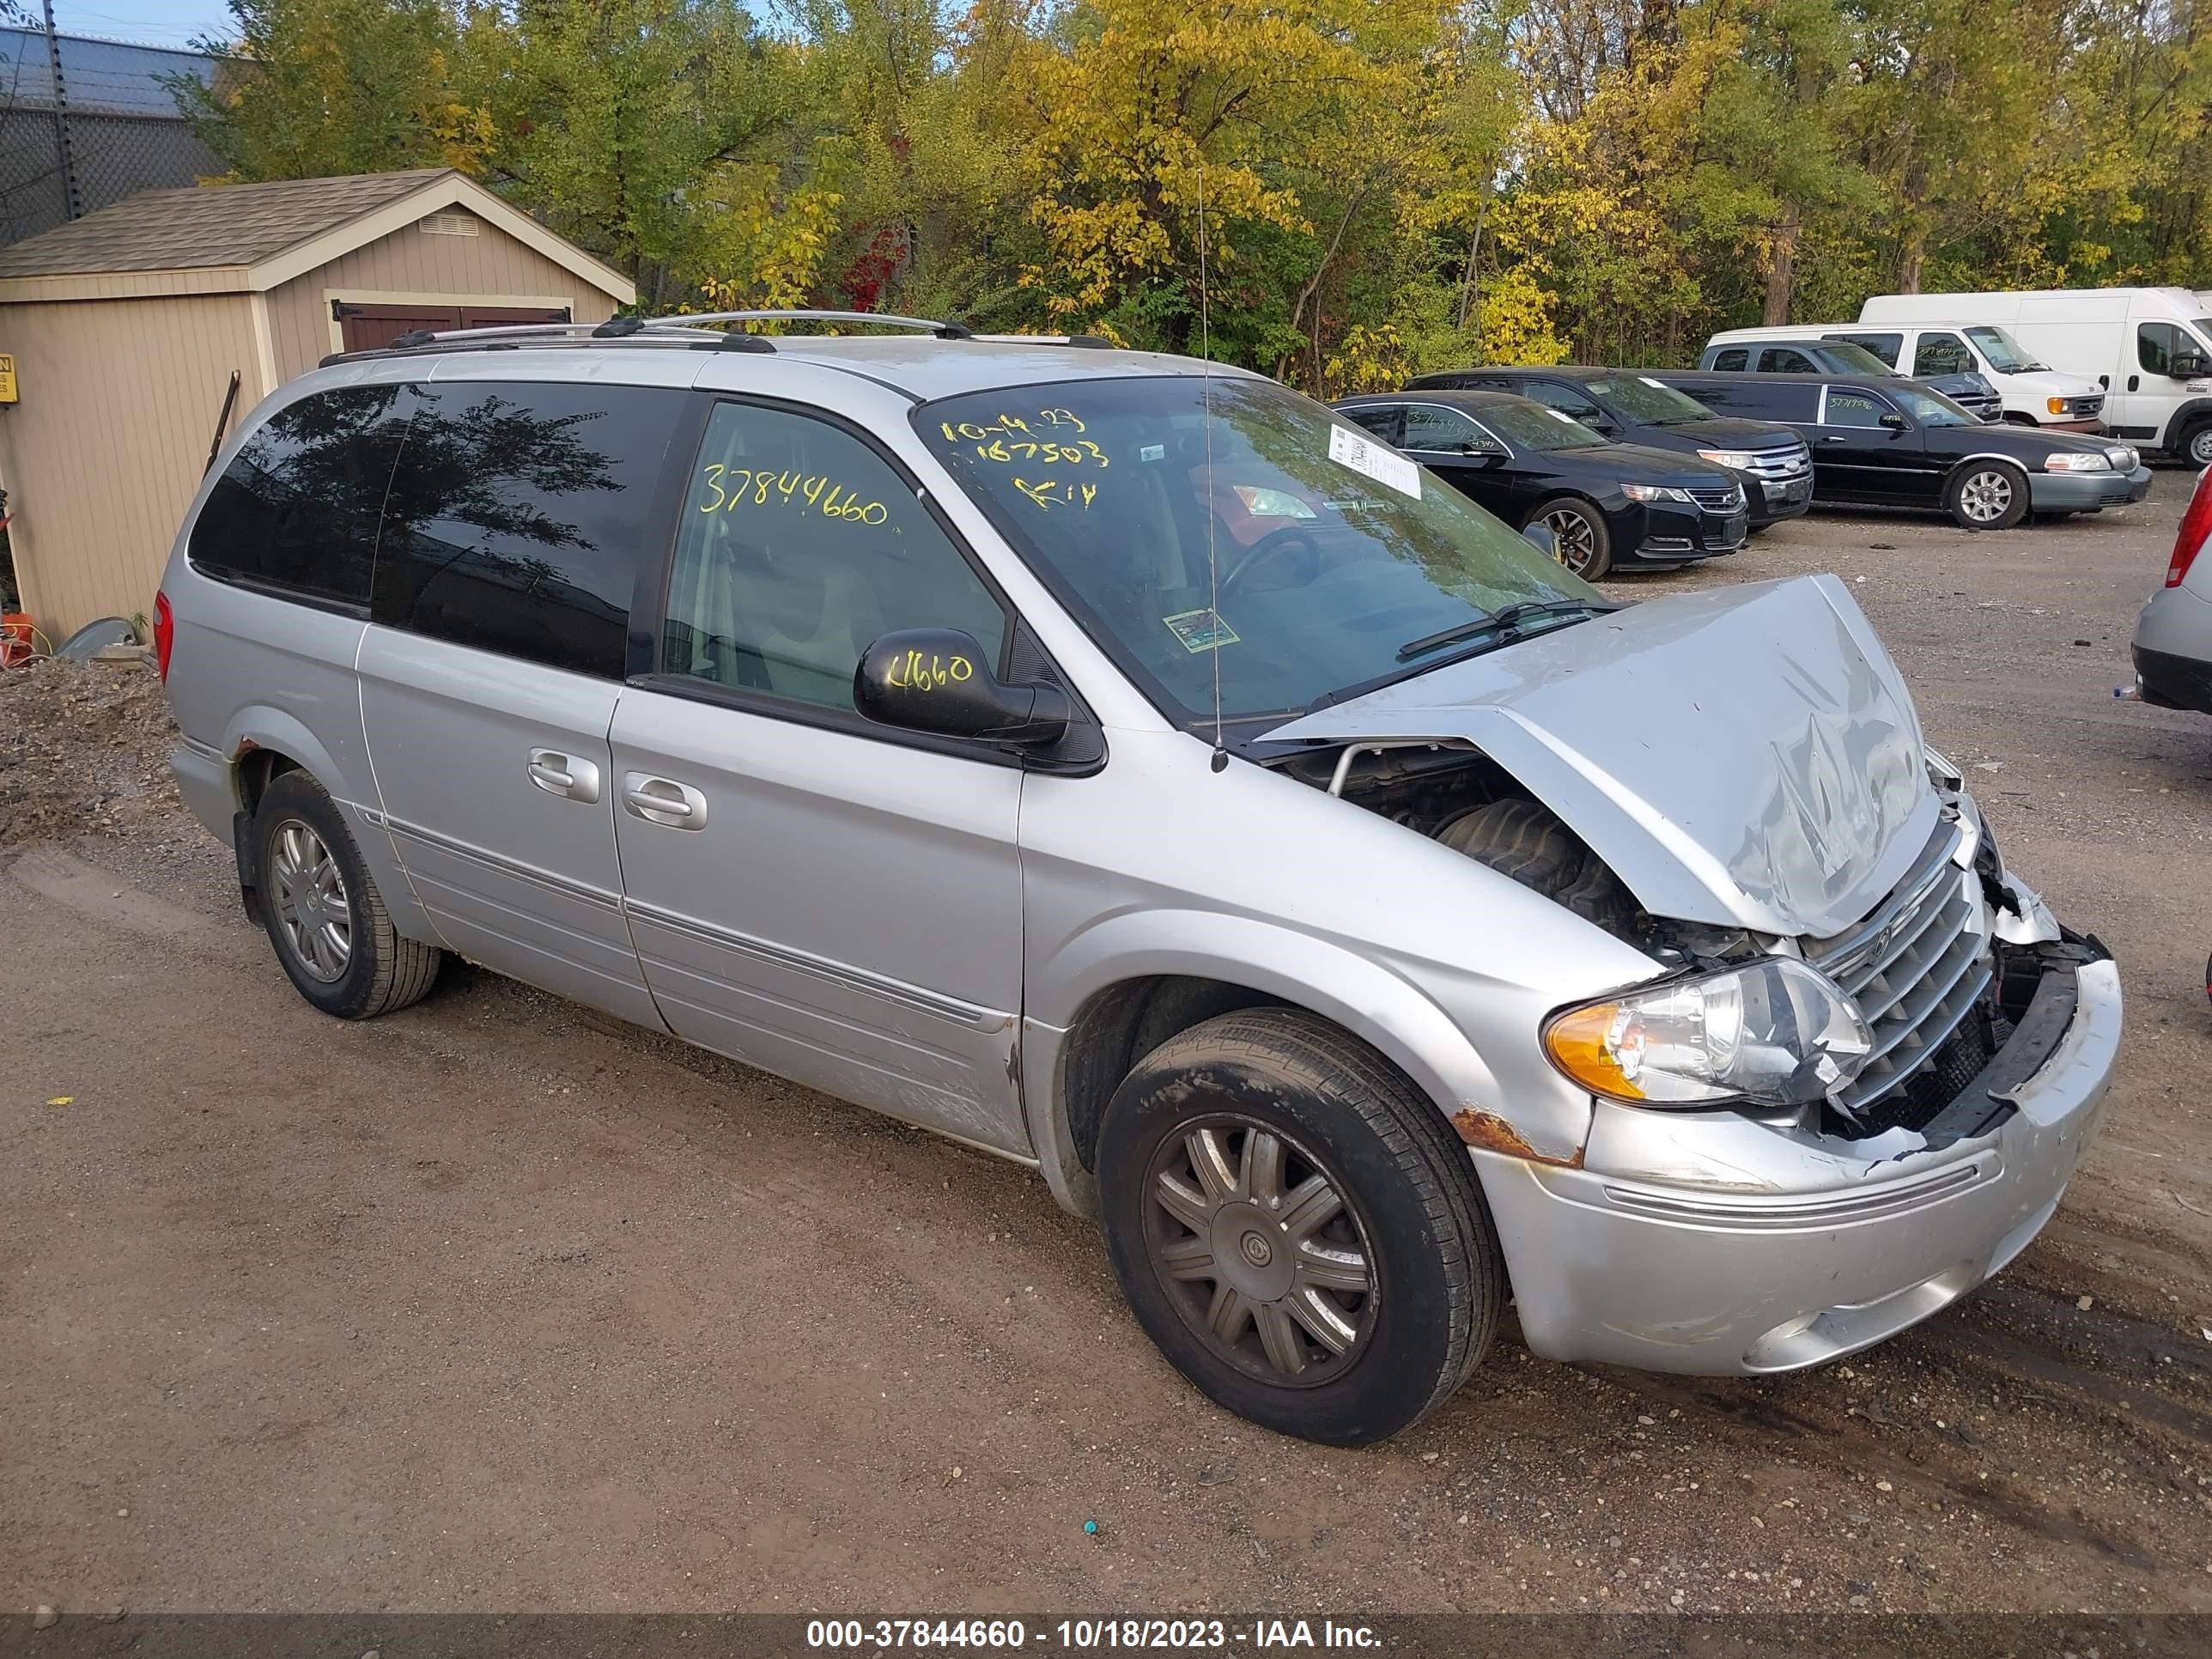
<point>911,674</point>
<point>802,490</point>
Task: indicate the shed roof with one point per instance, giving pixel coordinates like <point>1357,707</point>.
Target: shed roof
<point>230,238</point>
<point>227,225</point>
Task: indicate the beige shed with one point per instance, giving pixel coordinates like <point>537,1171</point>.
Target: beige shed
<point>126,325</point>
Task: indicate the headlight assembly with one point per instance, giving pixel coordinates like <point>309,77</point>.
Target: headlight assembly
<point>1654,492</point>
<point>1741,459</point>
<point>2068,460</point>
<point>1773,1032</point>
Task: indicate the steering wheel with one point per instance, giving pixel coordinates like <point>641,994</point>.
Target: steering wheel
<point>1268,548</point>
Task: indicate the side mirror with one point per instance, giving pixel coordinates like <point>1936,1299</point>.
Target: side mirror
<point>2187,366</point>
<point>1544,541</point>
<point>940,680</point>
<point>1893,422</point>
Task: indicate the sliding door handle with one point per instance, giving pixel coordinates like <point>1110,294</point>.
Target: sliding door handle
<point>566,775</point>
<point>663,801</point>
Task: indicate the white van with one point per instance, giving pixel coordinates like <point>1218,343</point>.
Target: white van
<point>2149,348</point>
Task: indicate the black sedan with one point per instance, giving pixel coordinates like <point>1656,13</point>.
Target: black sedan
<point>1606,504</point>
<point>1629,407</point>
<point>1894,442</point>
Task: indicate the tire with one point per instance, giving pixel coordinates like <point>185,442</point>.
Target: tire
<point>1411,1228</point>
<point>1585,546</point>
<point>322,912</point>
<point>2195,445</point>
<point>1526,841</point>
<point>1987,495</point>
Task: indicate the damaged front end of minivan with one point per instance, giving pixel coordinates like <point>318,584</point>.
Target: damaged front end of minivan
<point>1868,1058</point>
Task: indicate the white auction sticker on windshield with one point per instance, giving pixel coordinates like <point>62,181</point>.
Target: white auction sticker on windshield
<point>1365,456</point>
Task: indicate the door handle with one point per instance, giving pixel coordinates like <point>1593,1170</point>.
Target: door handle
<point>664,801</point>
<point>1831,438</point>
<point>566,775</point>
<point>2133,380</point>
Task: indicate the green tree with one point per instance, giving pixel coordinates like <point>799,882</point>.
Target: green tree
<point>316,87</point>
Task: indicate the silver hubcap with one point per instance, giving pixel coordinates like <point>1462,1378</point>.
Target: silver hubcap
<point>1264,1260</point>
<point>2200,446</point>
<point>313,916</point>
<point>1986,497</point>
<point>1575,537</point>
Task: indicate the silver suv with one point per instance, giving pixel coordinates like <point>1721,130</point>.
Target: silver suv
<point>1128,768</point>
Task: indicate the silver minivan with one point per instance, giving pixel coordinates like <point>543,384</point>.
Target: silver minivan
<point>1122,765</point>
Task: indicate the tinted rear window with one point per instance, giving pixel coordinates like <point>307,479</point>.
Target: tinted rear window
<point>1758,399</point>
<point>518,515</point>
<point>295,509</point>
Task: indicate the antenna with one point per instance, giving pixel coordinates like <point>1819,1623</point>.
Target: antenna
<point>1205,422</point>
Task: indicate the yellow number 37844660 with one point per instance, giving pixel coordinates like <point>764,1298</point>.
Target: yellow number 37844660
<point>736,486</point>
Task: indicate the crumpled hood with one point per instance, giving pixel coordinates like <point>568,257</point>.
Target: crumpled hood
<point>1746,758</point>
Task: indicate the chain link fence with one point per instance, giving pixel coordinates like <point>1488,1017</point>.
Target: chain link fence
<point>120,130</point>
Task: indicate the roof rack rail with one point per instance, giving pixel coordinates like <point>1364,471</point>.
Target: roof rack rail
<point>1090,342</point>
<point>695,329</point>
<point>944,330</point>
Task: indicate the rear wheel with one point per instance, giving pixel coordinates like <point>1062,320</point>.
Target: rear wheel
<point>322,912</point>
<point>1988,495</point>
<point>1581,541</point>
<point>1297,1228</point>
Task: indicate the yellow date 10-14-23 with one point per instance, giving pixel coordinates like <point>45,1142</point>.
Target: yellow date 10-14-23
<point>736,485</point>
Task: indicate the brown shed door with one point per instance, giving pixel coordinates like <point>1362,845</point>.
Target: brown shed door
<point>367,328</point>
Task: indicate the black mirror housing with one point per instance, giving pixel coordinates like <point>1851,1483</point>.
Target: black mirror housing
<point>1893,422</point>
<point>940,680</point>
<point>1542,537</point>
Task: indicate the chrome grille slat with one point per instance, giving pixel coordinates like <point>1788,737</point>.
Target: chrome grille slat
<point>1725,499</point>
<point>1859,976</point>
<point>1905,965</point>
<point>1866,1089</point>
<point>1907,1019</point>
<point>1915,968</point>
<point>1833,955</point>
<point>1779,465</point>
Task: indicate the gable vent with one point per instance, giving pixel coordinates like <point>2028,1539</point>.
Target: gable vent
<point>449,224</point>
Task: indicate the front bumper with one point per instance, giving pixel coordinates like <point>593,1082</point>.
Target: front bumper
<point>2085,492</point>
<point>1773,499</point>
<point>1712,1244</point>
<point>1674,535</point>
<point>2089,424</point>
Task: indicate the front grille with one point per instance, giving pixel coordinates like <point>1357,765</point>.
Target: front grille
<point>1779,464</point>
<point>2085,407</point>
<point>1718,498</point>
<point>1918,968</point>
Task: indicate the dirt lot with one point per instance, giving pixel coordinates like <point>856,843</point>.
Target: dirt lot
<point>493,1305</point>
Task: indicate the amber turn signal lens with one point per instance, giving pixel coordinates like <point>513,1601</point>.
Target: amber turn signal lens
<point>1580,1043</point>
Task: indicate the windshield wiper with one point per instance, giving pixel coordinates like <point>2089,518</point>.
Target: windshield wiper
<point>1512,620</point>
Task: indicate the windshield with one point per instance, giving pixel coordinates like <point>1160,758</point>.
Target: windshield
<point>1932,408</point>
<point>1648,401</point>
<point>1330,549</point>
<point>1850,357</point>
<point>1527,424</point>
<point>2003,351</point>
<point>2203,327</point>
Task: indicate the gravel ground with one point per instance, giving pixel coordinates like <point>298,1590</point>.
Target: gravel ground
<point>497,1305</point>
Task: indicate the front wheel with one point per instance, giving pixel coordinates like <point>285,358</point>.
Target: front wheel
<point>1988,495</point>
<point>2197,444</point>
<point>1580,539</point>
<point>1297,1228</point>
